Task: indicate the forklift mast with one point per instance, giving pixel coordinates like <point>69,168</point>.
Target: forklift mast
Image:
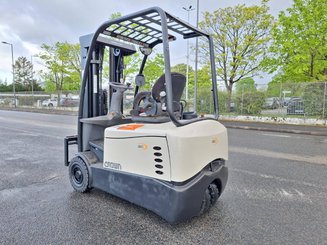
<point>96,101</point>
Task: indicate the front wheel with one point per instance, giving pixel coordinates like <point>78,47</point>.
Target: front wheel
<point>79,175</point>
<point>211,196</point>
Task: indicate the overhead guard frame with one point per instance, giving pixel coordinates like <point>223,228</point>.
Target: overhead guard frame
<point>147,18</point>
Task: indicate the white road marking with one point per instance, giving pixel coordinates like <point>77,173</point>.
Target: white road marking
<point>268,195</point>
<point>299,193</point>
<point>277,135</point>
<point>24,132</point>
<point>273,194</point>
<point>318,159</point>
<point>285,193</point>
<point>277,178</point>
<point>40,123</point>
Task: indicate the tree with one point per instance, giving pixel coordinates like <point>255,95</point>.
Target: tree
<point>245,85</point>
<point>131,65</point>
<point>241,35</point>
<point>73,80</point>
<point>24,72</point>
<point>299,49</point>
<point>63,67</point>
<point>182,69</point>
<point>4,87</point>
<point>154,68</point>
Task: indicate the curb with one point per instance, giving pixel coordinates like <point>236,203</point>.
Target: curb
<point>278,130</point>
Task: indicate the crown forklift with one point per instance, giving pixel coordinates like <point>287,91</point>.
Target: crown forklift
<point>159,157</point>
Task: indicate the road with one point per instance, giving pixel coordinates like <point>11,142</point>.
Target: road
<point>276,193</point>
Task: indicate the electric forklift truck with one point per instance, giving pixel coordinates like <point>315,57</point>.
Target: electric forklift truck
<point>159,157</point>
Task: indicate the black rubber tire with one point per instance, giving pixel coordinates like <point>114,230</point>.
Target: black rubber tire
<point>50,105</point>
<point>211,196</point>
<point>205,202</point>
<point>79,175</point>
<point>214,193</point>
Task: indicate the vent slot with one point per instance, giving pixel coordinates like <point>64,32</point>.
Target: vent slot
<point>158,160</point>
<point>157,148</point>
<point>159,172</point>
<point>158,166</point>
<point>157,154</point>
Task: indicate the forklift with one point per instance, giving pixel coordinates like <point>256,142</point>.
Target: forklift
<point>158,155</point>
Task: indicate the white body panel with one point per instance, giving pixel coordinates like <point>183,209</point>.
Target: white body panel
<point>136,155</point>
<point>185,151</point>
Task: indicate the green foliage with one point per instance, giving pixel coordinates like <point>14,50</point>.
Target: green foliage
<point>313,98</point>
<point>205,101</point>
<point>276,88</point>
<point>23,72</point>
<point>299,49</point>
<point>204,77</point>
<point>153,69</point>
<point>62,61</point>
<point>115,15</point>
<point>222,101</point>
<point>240,36</point>
<point>4,87</point>
<point>245,85</point>
<point>132,65</point>
<point>182,68</point>
<point>252,103</point>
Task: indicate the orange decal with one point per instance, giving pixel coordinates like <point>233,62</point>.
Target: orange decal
<point>130,127</point>
<point>142,146</point>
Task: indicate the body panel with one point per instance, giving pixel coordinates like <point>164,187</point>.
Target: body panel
<point>137,155</point>
<point>190,148</point>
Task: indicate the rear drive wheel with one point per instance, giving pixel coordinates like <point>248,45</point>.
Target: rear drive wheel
<point>79,175</point>
<point>50,105</point>
<point>211,196</point>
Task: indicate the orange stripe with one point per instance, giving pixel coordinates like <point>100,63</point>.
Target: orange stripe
<point>130,127</point>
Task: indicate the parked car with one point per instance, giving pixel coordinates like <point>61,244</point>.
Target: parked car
<point>295,106</point>
<point>69,102</point>
<point>286,100</point>
<point>271,103</point>
<point>50,103</point>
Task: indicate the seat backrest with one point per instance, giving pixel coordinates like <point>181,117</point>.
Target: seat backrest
<point>178,83</point>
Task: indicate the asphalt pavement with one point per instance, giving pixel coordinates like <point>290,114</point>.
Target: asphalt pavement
<point>276,192</point>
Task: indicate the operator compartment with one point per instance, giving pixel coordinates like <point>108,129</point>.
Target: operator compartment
<point>139,149</point>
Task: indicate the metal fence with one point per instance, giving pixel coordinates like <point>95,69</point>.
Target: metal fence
<point>40,100</point>
<point>304,100</point>
<point>307,100</point>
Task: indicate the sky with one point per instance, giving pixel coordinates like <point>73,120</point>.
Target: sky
<point>28,24</point>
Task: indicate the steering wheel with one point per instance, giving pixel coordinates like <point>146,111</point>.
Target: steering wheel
<point>144,103</point>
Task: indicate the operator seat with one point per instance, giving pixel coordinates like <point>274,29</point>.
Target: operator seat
<point>154,100</point>
<point>178,83</point>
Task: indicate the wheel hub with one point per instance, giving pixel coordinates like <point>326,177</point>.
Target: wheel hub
<point>77,175</point>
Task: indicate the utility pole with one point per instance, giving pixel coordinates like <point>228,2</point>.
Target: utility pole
<point>32,75</point>
<point>196,56</point>
<point>13,70</point>
<point>188,52</point>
